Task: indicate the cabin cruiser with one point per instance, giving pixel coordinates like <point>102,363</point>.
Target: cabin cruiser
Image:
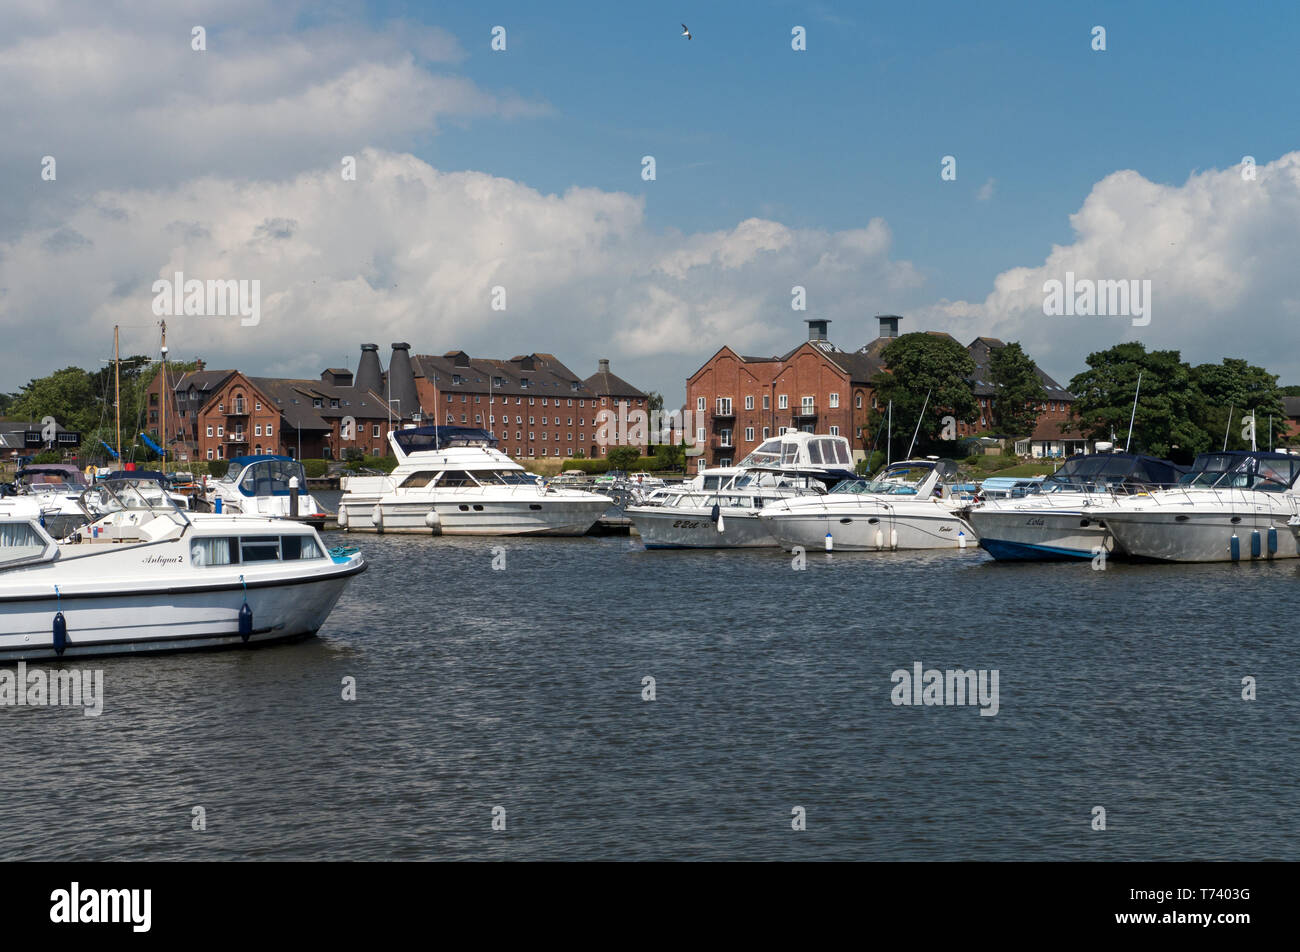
<point>51,492</point>
<point>1057,518</point>
<point>265,486</point>
<point>908,505</point>
<point>155,485</point>
<point>454,480</point>
<point>144,576</point>
<point>720,508</point>
<point>1234,505</point>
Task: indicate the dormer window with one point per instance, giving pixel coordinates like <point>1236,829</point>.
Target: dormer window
<point>317,402</point>
<point>334,404</point>
<point>457,379</point>
<point>498,381</point>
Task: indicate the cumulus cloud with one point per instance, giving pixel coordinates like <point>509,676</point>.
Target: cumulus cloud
<point>408,252</point>
<point>1218,249</point>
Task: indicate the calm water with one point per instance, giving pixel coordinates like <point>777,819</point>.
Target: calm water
<point>521,688</point>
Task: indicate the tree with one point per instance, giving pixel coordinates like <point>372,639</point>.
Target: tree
<point>1240,389</point>
<point>1163,424</point>
<point>1019,390</point>
<point>654,401</point>
<point>920,363</point>
<point>668,456</point>
<point>622,457</point>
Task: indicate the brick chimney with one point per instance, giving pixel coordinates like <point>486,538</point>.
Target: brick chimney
<point>604,366</point>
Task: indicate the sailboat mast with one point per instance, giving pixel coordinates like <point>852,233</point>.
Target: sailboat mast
<point>117,399</point>
<point>1133,416</point>
<point>163,394</point>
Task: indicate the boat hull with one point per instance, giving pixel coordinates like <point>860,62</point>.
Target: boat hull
<point>1039,535</point>
<point>871,531</point>
<point>161,619</point>
<point>1202,536</point>
<point>526,516</point>
<point>677,528</point>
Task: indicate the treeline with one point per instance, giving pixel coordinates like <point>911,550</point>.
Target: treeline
<point>1183,409</point>
<point>82,400</point>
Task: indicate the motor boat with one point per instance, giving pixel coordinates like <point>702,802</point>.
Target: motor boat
<point>145,576</point>
<point>265,486</point>
<point>454,480</point>
<point>52,492</point>
<point>1234,505</point>
<point>1057,518</point>
<point>908,505</point>
<point>720,508</point>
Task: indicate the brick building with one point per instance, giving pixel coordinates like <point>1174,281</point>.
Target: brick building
<point>532,403</point>
<point>739,401</point>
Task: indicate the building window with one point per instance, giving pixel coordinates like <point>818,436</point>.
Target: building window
<point>209,453</point>
<point>783,402</point>
<point>221,452</point>
<point>699,435</point>
<point>531,421</point>
<point>530,436</point>
<point>268,430</point>
<point>259,407</point>
<point>749,403</point>
<point>334,404</point>
<point>543,418</point>
<point>374,431</point>
<point>835,400</point>
<point>209,434</point>
<point>221,431</point>
<point>767,431</point>
<point>767,402</point>
<point>835,431</point>
<point>749,434</point>
<point>807,404</point>
<point>724,406</point>
<point>257,429</point>
<point>315,402</point>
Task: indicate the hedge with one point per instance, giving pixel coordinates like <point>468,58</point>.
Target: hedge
<point>649,464</point>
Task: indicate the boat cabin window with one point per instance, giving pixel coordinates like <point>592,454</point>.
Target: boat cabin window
<point>418,480</point>
<point>455,477</point>
<point>271,477</point>
<point>20,542</point>
<point>233,550</point>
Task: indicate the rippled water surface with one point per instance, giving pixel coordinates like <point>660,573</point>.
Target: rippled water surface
<point>521,688</point>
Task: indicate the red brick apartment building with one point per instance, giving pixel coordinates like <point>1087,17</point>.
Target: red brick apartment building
<point>817,387</point>
<point>533,404</point>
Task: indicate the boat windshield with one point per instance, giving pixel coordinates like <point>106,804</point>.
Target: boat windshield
<point>268,477</point>
<point>900,479</point>
<point>115,495</point>
<point>511,477</point>
<point>21,541</point>
<point>1235,471</point>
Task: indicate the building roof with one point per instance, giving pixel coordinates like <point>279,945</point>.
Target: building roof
<point>295,400</point>
<point>603,382</point>
<point>981,350</point>
<point>534,375</point>
<point>1291,406</point>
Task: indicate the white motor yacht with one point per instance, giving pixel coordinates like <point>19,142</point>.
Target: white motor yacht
<point>1234,505</point>
<point>908,505</point>
<point>144,577</point>
<point>265,486</point>
<point>53,492</point>
<point>454,480</point>
<point>1057,519</point>
<point>722,510</point>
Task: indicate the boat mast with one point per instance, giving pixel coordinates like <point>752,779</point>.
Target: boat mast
<point>117,400</point>
<point>917,431</point>
<point>1231,407</point>
<point>162,392</point>
<point>889,435</point>
<point>1132,416</point>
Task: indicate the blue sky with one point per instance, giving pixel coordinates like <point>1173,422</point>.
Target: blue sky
<point>521,169</point>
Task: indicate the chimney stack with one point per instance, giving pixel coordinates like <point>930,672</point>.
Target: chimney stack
<point>816,329</point>
<point>888,324</point>
<point>401,382</point>
<point>370,376</point>
<point>604,365</point>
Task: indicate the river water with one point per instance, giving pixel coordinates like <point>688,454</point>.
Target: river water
<point>519,689</point>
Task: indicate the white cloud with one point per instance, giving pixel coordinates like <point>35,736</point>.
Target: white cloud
<point>1220,254</point>
<point>985,191</point>
<point>407,252</point>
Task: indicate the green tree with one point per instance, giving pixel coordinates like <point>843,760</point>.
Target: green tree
<point>668,456</point>
<point>920,363</point>
<point>622,457</point>
<point>1240,389</point>
<point>654,401</point>
<point>1019,390</point>
<point>68,395</point>
<point>1164,423</point>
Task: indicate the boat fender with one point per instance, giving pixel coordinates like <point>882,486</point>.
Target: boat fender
<point>893,539</point>
<point>1272,540</point>
<point>961,538</point>
<point>377,517</point>
<point>880,539</point>
<point>1234,548</point>
<point>830,542</point>
<point>1255,549</point>
<point>342,518</point>
<point>245,615</point>
<point>60,626</point>
<point>216,505</point>
<point>433,521</point>
<point>716,514</point>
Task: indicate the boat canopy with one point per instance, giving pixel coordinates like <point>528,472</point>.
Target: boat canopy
<point>266,475</point>
<point>800,449</point>
<point>420,439</point>
<point>52,474</point>
<point>1243,469</point>
<point>1101,470</point>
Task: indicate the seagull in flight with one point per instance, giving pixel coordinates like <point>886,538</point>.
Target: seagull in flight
<point>686,32</point>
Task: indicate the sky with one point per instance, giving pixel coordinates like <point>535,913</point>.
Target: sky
<point>522,170</point>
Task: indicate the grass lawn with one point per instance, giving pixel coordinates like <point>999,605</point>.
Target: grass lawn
<point>1026,469</point>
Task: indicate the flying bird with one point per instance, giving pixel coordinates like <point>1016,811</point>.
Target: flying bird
<point>685,32</point>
